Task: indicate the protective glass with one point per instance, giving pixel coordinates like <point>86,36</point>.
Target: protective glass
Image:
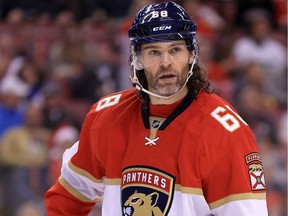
<point>163,53</point>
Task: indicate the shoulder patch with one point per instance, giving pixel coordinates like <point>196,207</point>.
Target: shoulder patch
<point>256,171</point>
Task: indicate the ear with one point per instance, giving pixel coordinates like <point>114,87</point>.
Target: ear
<point>154,196</point>
<point>192,58</point>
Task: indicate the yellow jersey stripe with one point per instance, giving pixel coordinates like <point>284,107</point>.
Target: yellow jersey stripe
<point>235,197</point>
<point>74,192</point>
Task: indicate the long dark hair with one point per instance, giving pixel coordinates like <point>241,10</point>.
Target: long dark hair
<point>197,83</point>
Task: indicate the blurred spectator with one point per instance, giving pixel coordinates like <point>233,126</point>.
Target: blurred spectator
<point>15,17</point>
<point>219,63</point>
<point>207,18</point>
<point>247,6</point>
<point>64,19</point>
<point>98,78</point>
<point>24,152</point>
<point>258,46</point>
<point>282,129</point>
<point>12,91</point>
<point>252,108</point>
<point>69,49</point>
<point>26,75</point>
<point>7,46</point>
<point>26,145</point>
<point>228,10</point>
<point>63,138</point>
<point>253,75</point>
<point>205,13</point>
<point>4,63</point>
<point>52,102</point>
<point>33,78</point>
<point>43,34</point>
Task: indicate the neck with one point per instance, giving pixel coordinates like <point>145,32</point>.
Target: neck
<point>179,96</point>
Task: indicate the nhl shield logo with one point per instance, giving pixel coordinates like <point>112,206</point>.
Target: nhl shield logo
<point>146,191</point>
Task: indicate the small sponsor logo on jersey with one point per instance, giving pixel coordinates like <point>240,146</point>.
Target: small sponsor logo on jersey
<point>256,171</point>
<point>146,191</point>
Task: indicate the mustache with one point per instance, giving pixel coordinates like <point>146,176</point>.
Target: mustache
<point>163,69</point>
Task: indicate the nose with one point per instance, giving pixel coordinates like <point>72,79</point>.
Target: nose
<point>165,59</point>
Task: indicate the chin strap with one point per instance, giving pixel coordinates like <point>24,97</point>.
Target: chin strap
<point>138,85</point>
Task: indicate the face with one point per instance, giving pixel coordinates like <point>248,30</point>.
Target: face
<point>165,65</point>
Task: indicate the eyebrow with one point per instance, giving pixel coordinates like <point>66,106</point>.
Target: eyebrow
<point>154,46</point>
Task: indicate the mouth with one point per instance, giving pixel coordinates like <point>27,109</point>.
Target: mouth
<point>167,77</point>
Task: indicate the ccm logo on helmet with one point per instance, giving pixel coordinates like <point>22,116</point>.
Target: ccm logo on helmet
<point>161,28</point>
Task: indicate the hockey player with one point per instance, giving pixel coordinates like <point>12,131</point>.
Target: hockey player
<point>167,147</point>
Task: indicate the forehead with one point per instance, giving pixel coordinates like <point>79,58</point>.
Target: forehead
<point>166,44</point>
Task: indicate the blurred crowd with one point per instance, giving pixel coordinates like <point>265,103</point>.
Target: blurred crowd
<point>58,58</point>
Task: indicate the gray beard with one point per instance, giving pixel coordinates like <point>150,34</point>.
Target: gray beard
<point>167,89</point>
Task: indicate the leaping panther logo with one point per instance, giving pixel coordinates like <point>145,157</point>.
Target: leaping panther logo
<point>140,204</point>
<point>146,191</point>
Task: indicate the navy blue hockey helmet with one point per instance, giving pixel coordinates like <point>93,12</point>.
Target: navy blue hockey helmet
<point>163,22</point>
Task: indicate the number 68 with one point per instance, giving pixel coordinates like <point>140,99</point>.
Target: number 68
<point>156,14</point>
<point>230,122</point>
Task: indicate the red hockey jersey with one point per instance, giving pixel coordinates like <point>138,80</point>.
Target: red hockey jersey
<point>201,160</point>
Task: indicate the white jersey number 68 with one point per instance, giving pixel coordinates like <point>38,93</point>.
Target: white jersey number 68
<point>228,118</point>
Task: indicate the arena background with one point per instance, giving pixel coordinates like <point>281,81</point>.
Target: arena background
<point>58,57</point>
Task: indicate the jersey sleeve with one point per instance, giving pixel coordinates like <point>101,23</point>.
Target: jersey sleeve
<point>84,171</point>
<point>231,169</point>
<point>81,184</point>
<point>58,201</point>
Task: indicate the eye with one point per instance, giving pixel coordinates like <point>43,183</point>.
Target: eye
<point>134,200</point>
<point>176,49</point>
<point>154,52</point>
